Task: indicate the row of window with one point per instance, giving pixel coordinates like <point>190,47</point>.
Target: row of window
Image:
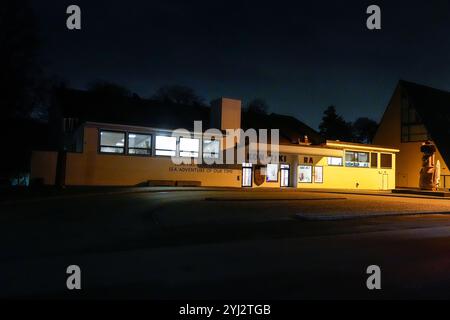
<point>362,160</point>
<point>141,144</point>
<point>115,142</point>
<point>305,174</point>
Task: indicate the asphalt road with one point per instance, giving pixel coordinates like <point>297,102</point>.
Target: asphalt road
<point>228,245</point>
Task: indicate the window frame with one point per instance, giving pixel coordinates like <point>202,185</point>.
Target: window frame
<point>392,160</point>
<point>168,150</point>
<point>335,165</point>
<point>247,166</point>
<point>377,162</point>
<point>315,168</point>
<point>100,146</point>
<point>192,152</point>
<point>357,153</point>
<point>203,149</point>
<point>311,175</point>
<point>277,171</point>
<point>134,148</point>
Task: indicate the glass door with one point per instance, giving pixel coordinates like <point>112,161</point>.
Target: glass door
<point>247,175</point>
<point>285,171</point>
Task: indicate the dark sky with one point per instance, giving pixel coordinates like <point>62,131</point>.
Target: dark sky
<point>298,56</point>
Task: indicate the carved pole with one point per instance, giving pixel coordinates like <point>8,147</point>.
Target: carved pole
<point>427,172</point>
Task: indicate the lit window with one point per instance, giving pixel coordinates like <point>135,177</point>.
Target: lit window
<point>318,174</point>
<point>304,174</point>
<point>272,173</point>
<point>189,147</point>
<point>211,149</point>
<point>165,146</point>
<point>139,144</point>
<point>357,159</point>
<point>112,142</point>
<point>334,161</point>
<point>386,161</point>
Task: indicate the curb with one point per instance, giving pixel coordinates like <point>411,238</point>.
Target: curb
<point>312,217</point>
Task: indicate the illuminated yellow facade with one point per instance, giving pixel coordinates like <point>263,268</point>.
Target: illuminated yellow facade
<point>334,165</point>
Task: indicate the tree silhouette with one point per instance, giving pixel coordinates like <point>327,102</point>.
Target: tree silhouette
<point>364,129</point>
<point>19,75</point>
<point>258,106</point>
<point>179,95</point>
<point>334,127</point>
<point>108,89</point>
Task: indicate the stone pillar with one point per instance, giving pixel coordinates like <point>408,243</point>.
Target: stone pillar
<point>294,172</point>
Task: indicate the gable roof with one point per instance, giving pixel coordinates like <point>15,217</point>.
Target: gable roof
<point>291,129</point>
<point>134,111</point>
<point>433,107</point>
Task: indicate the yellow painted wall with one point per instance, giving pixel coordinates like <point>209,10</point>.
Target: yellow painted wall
<point>93,168</point>
<point>337,177</point>
<point>409,161</point>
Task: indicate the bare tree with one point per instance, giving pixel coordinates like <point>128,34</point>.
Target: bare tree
<point>258,105</point>
<point>178,94</point>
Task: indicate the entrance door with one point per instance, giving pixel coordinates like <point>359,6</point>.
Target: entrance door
<point>385,182</point>
<point>285,171</point>
<point>247,175</point>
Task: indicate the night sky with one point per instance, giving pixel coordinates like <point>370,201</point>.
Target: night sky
<point>298,56</point>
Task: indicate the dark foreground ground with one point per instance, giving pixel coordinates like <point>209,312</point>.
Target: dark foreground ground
<point>225,244</point>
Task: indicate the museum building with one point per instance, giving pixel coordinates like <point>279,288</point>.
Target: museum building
<point>129,141</point>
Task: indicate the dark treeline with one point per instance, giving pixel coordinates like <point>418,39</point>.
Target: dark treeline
<point>335,127</point>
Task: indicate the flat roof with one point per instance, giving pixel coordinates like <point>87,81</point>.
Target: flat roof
<point>362,146</point>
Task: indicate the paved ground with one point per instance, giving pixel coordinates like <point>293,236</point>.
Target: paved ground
<point>226,244</point>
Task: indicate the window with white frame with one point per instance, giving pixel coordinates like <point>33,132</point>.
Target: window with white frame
<point>335,161</point>
<point>189,147</point>
<point>357,159</point>
<point>318,174</point>
<point>272,173</point>
<point>165,146</point>
<point>112,142</point>
<point>139,144</point>
<point>211,149</point>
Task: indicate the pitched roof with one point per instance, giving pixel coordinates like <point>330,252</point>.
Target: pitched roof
<point>134,111</point>
<point>433,107</point>
<point>291,129</point>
